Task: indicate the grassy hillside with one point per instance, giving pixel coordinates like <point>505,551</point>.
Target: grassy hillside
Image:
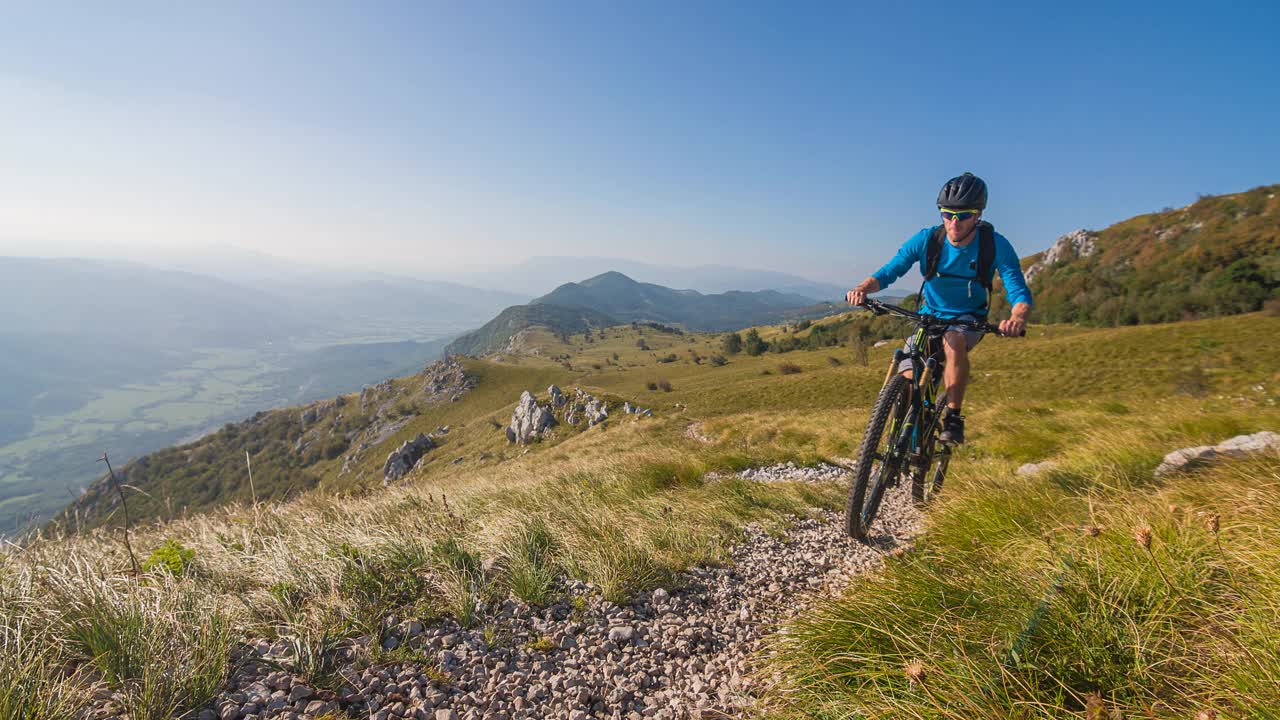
<point>495,334</point>
<point>626,505</point>
<point>1217,256</point>
<point>289,455</point>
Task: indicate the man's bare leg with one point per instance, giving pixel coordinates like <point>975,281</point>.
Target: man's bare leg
<point>956,376</point>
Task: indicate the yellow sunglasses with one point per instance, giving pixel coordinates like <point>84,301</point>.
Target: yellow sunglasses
<point>948,214</point>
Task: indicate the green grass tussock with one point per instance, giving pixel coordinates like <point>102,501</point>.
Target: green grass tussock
<point>531,557</point>
<point>162,644</point>
<point>31,673</point>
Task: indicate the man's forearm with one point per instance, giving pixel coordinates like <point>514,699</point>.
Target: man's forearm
<point>870,285</point>
<point>1020,311</point>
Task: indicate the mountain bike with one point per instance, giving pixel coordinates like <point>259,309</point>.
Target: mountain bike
<point>906,420</point>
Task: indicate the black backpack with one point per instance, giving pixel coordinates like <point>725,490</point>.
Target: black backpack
<point>986,257</point>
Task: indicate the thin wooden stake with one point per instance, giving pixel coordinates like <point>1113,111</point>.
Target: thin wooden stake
<point>248,463</point>
<point>125,505</point>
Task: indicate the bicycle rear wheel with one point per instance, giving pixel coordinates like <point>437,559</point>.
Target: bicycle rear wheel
<point>877,464</point>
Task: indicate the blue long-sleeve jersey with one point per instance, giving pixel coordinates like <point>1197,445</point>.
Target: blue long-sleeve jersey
<point>950,293</point>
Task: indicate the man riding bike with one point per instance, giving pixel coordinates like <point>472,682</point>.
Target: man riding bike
<point>958,260</point>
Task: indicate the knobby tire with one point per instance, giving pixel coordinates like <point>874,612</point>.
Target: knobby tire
<point>940,472</point>
<point>856,523</point>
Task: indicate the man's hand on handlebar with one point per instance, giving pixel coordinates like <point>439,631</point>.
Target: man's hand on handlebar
<point>1013,327</point>
<point>858,295</point>
<point>1016,325</point>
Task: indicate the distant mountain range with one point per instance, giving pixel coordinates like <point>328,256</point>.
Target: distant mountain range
<point>538,275</point>
<point>519,282</point>
<point>612,298</point>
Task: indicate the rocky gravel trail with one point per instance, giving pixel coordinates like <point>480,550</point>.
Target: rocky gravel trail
<point>684,652</point>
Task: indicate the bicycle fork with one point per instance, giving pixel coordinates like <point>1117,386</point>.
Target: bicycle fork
<point>922,400</point>
<point>907,432</point>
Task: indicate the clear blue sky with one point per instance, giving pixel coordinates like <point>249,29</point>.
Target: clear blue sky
<point>808,137</point>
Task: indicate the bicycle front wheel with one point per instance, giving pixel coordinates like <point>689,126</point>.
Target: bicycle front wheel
<point>877,465</point>
<point>929,465</point>
<point>940,472</point>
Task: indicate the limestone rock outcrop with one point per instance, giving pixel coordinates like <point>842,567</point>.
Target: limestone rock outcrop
<point>629,409</point>
<point>402,459</point>
<point>557,396</point>
<point>317,411</point>
<point>446,379</point>
<point>586,407</point>
<point>1077,243</point>
<point>529,420</point>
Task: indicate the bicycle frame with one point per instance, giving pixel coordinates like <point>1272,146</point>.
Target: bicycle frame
<point>909,410</point>
<point>923,410</point>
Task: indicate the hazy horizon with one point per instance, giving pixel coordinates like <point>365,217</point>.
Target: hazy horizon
<point>433,139</point>
<point>185,259</point>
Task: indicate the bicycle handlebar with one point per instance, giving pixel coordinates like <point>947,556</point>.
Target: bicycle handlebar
<point>880,308</point>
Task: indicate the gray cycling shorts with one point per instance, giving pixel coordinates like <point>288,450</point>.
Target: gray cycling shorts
<point>972,338</point>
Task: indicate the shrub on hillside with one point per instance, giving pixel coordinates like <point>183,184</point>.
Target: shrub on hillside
<point>335,447</point>
<point>652,386</point>
<point>718,360</point>
<point>640,325</point>
<point>668,358</point>
<point>784,344</point>
<point>860,351</point>
<point>664,386</point>
<point>753,343</point>
<point>789,368</point>
<point>640,343</point>
<point>732,344</point>
<point>172,557</point>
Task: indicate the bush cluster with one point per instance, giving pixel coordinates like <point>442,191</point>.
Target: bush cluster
<point>172,557</point>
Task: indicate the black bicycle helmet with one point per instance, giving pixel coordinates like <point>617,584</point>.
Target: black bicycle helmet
<point>966,192</point>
